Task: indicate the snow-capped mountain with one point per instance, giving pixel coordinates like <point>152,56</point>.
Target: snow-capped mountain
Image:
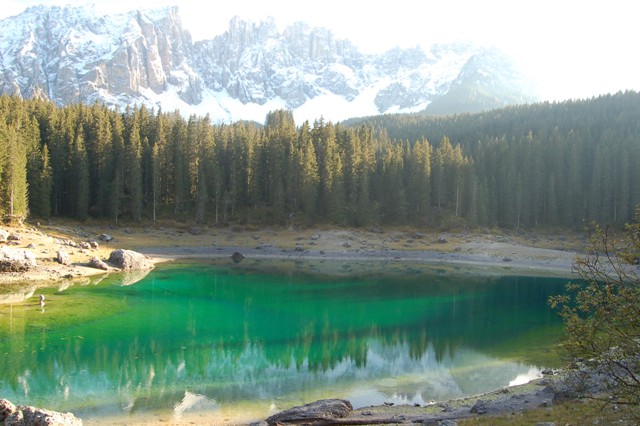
<point>72,55</point>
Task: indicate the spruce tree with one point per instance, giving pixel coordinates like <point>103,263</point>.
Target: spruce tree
<point>40,180</point>
<point>133,170</point>
<point>14,177</point>
<point>80,178</point>
<point>308,172</point>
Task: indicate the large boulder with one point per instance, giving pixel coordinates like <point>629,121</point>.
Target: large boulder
<point>96,262</point>
<point>23,415</point>
<point>325,409</point>
<point>129,259</point>
<point>16,260</point>
<point>63,258</point>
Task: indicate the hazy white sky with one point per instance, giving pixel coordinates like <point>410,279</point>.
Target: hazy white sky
<point>569,48</point>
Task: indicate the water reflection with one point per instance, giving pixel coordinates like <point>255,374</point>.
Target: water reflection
<point>204,338</point>
<point>214,377</point>
<point>193,401</point>
<point>17,296</point>
<point>132,276</point>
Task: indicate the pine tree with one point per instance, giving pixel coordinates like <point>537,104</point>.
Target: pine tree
<point>117,169</point>
<point>13,182</point>
<point>419,183</point>
<point>330,194</point>
<point>205,151</point>
<point>280,163</point>
<point>38,170</point>
<point>155,179</point>
<point>80,178</point>
<point>133,170</point>
<point>308,172</point>
<point>40,181</point>
<point>180,167</point>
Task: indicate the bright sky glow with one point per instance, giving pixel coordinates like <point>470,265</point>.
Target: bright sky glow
<point>569,49</point>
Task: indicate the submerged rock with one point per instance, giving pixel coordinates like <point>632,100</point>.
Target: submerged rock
<point>480,407</point>
<point>6,409</point>
<point>23,415</point>
<point>129,259</point>
<point>326,409</point>
<point>237,257</point>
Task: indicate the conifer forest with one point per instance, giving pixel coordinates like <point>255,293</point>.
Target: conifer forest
<point>544,164</point>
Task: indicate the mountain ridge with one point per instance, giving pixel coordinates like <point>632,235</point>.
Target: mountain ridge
<point>72,55</point>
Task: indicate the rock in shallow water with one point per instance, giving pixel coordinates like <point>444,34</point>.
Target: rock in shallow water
<point>237,257</point>
<point>23,415</point>
<point>323,409</point>
<point>129,259</point>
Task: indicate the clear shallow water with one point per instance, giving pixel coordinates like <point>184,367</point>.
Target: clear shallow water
<point>237,344</point>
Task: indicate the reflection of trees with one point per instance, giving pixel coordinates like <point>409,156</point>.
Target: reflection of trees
<point>244,333</point>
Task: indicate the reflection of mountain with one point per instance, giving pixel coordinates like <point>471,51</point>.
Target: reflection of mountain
<point>148,381</point>
<point>236,337</point>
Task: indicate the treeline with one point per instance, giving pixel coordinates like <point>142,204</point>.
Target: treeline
<point>544,164</point>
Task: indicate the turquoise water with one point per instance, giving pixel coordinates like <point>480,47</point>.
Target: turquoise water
<point>242,343</point>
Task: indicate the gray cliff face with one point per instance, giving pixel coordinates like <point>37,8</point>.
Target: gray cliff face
<point>72,55</point>
<point>255,64</point>
<point>69,55</point>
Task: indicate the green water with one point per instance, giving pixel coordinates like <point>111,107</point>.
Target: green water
<point>213,339</point>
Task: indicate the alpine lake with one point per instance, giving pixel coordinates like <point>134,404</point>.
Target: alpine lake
<point>218,342</point>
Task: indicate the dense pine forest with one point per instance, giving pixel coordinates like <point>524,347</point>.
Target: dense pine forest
<point>549,164</point>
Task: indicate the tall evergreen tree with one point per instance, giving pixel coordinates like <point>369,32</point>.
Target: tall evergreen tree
<point>40,181</point>
<point>79,184</point>
<point>117,169</point>
<point>133,170</point>
<point>13,182</point>
<point>308,172</point>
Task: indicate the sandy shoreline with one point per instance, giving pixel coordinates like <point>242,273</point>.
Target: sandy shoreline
<point>559,265</point>
<point>527,254</point>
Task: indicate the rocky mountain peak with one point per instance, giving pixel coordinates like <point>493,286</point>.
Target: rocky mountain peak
<point>243,34</point>
<point>72,54</point>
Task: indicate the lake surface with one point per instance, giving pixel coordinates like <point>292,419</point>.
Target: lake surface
<point>230,343</point>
